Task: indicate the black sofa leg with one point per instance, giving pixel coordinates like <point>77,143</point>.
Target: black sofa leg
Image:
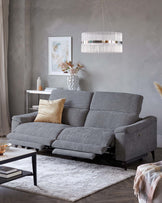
<point>153,155</point>
<point>124,164</point>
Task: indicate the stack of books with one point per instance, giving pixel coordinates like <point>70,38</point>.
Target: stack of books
<point>8,172</point>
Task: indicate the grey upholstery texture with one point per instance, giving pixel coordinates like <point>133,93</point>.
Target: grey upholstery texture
<point>111,110</point>
<point>83,139</point>
<point>74,116</point>
<point>136,139</point>
<point>136,126</point>
<point>37,132</point>
<point>76,105</point>
<point>83,155</point>
<point>74,146</point>
<point>24,118</point>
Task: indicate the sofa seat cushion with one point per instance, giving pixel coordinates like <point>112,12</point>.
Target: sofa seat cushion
<point>37,132</point>
<point>91,140</point>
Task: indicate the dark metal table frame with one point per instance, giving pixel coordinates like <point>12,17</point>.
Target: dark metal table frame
<point>24,173</point>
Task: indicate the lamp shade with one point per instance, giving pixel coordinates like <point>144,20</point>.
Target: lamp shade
<point>101,42</point>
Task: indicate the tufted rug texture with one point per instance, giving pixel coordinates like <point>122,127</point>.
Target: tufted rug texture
<point>66,179</point>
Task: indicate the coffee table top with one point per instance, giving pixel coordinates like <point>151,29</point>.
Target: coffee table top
<point>13,152</point>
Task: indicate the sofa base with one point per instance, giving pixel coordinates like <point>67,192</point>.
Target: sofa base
<point>33,145</point>
<point>104,159</point>
<point>124,164</point>
<point>108,158</point>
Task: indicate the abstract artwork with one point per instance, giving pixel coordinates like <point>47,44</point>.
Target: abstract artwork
<point>59,51</point>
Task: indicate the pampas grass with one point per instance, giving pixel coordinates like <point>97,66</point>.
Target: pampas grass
<point>158,88</point>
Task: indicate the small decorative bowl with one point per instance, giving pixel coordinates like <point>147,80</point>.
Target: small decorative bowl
<point>3,148</point>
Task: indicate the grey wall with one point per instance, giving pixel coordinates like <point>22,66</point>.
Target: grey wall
<point>132,71</point>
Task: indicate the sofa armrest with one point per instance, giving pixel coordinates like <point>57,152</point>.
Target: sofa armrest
<point>23,118</point>
<point>136,126</point>
<point>136,139</point>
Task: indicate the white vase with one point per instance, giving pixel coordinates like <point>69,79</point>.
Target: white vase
<point>73,82</point>
<point>38,83</point>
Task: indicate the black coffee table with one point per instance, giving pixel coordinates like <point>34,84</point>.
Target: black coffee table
<point>14,154</point>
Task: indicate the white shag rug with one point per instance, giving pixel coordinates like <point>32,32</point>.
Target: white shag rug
<point>66,179</point>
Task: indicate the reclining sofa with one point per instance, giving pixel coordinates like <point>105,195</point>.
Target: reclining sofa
<point>92,123</point>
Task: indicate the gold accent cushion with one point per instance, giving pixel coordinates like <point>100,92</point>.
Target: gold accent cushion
<point>50,111</point>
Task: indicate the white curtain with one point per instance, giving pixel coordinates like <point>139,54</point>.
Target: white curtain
<point>4,110</point>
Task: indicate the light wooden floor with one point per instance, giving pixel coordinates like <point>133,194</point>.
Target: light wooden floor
<point>119,193</point>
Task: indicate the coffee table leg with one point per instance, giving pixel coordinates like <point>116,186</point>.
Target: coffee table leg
<point>34,165</point>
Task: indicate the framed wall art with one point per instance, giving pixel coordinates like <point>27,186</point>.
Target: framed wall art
<point>59,51</point>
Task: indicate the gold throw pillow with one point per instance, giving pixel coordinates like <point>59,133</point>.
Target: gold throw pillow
<point>50,111</point>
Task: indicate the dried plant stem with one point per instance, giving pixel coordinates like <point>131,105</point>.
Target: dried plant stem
<point>158,88</point>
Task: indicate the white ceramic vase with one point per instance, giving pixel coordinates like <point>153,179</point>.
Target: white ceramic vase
<point>73,82</point>
<point>38,83</point>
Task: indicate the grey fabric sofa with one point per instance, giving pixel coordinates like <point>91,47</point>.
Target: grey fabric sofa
<point>92,123</point>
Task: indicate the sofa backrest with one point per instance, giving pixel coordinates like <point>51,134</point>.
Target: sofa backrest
<point>76,106</point>
<point>111,110</point>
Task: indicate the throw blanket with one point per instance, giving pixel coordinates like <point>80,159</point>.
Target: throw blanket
<point>146,180</point>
